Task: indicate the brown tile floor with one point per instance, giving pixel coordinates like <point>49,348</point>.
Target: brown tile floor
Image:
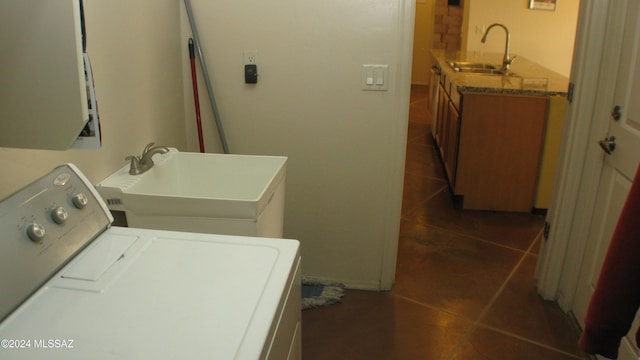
<point>464,283</point>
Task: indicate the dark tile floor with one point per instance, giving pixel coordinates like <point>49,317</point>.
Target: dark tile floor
<point>464,288</point>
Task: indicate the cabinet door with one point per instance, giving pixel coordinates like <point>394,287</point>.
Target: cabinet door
<point>453,135</point>
<point>43,98</point>
<point>441,121</point>
<point>499,151</point>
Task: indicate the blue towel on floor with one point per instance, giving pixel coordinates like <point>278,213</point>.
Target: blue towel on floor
<point>312,290</point>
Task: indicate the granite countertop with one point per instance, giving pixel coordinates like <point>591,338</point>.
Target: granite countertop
<point>528,78</point>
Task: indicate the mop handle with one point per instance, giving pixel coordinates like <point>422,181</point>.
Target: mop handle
<point>196,97</point>
<point>192,52</point>
<point>205,73</point>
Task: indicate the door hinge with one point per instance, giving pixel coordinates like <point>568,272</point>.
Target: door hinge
<point>570,92</point>
<point>547,228</point>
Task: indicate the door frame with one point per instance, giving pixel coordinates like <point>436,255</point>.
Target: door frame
<point>404,51</point>
<point>599,32</point>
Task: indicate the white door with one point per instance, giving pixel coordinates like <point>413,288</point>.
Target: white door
<point>618,170</point>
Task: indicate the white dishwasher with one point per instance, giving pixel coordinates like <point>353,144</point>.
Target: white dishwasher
<point>75,288</point>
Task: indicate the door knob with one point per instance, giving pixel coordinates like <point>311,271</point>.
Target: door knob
<point>608,144</point>
<point>616,112</point>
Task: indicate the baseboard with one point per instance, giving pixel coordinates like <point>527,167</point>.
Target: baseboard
<point>350,284</point>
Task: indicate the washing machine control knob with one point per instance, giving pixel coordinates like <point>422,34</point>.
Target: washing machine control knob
<point>35,232</point>
<point>80,200</point>
<point>59,215</point>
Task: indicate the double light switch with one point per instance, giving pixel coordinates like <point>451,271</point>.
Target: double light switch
<point>375,77</point>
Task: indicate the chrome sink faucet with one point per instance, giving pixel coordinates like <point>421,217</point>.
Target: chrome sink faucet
<point>506,61</point>
<point>144,162</point>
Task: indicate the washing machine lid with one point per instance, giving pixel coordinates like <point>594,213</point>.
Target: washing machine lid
<point>136,293</point>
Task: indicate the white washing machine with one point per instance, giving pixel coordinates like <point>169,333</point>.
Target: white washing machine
<point>72,287</point>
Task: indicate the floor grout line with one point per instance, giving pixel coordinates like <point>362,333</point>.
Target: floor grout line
<point>432,307</point>
<point>487,307</point>
<point>477,323</point>
<point>453,232</point>
<point>522,338</point>
<point>415,208</point>
<point>424,201</point>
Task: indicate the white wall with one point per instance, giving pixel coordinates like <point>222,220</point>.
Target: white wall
<point>423,41</point>
<point>345,146</point>
<point>138,81</point>
<point>545,37</point>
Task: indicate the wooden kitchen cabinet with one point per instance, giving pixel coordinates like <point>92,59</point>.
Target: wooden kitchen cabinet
<point>447,133</point>
<point>490,146</point>
<point>453,135</point>
<point>439,134</point>
<point>498,136</point>
<point>499,150</point>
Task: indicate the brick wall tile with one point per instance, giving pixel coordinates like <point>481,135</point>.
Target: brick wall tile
<point>439,45</point>
<point>455,10</point>
<point>452,20</point>
<point>441,10</point>
<point>447,26</point>
<point>453,29</point>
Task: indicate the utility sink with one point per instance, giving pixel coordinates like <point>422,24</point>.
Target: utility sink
<point>210,193</point>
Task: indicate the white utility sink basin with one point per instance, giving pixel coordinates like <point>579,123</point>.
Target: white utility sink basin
<point>211,193</point>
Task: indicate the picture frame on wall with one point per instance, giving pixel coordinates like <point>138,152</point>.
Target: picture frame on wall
<point>543,4</point>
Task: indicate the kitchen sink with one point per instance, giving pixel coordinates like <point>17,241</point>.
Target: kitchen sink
<point>469,65</point>
<point>478,68</point>
<point>485,71</point>
<point>211,193</point>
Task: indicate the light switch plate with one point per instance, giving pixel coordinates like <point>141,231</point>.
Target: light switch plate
<point>375,77</point>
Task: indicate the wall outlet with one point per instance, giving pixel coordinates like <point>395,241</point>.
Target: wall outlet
<point>250,57</point>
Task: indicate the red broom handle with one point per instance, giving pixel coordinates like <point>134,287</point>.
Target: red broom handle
<point>196,98</point>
